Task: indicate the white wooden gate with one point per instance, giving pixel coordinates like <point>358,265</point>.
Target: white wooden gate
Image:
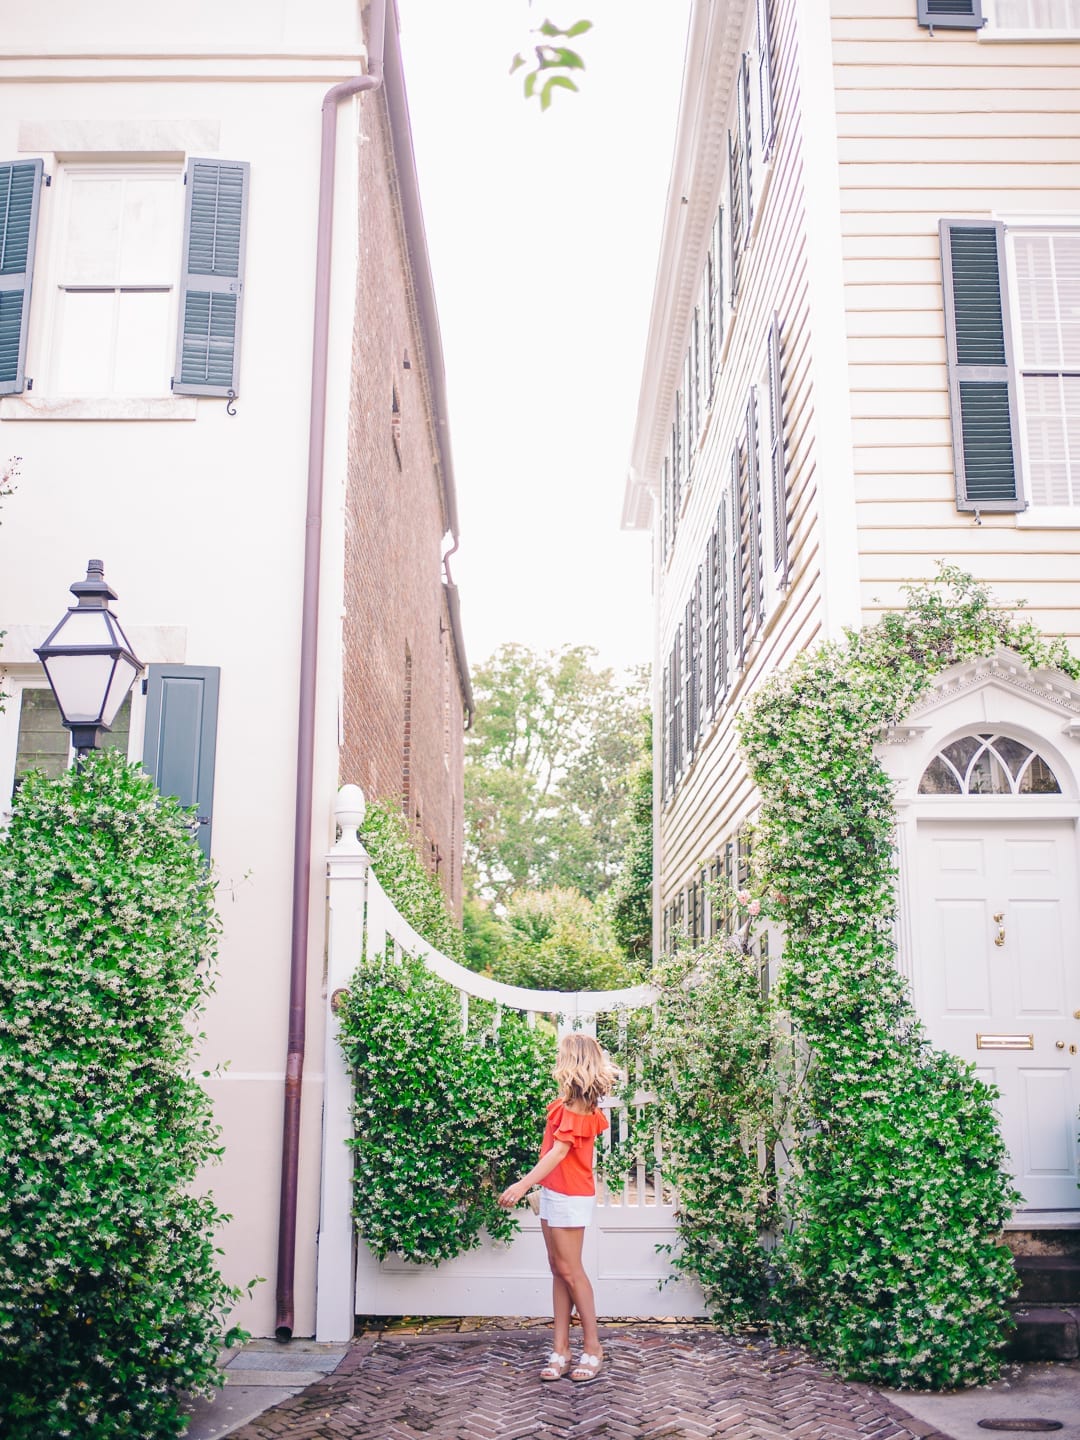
<point>631,1221</point>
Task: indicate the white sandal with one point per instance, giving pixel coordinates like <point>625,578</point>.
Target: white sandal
<point>556,1367</point>
<point>586,1369</point>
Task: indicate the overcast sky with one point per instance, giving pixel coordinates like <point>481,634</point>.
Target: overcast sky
<point>544,231</point>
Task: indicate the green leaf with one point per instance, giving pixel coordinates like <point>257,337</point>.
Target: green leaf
<point>562,82</point>
<point>517,62</point>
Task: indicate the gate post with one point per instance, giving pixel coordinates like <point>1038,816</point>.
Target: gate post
<point>347,875</point>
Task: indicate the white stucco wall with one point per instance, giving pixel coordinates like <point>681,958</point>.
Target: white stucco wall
<point>200,517</point>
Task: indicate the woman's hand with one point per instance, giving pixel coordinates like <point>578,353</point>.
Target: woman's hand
<point>513,1194</point>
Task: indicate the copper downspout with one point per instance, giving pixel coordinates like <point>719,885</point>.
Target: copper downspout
<point>305,745</point>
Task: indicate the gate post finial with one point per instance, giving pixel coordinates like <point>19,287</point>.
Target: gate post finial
<point>349,810</point>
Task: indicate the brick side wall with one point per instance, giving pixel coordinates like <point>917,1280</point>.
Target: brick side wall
<point>402,697</point>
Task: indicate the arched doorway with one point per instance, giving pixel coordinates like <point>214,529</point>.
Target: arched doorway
<point>990,904</point>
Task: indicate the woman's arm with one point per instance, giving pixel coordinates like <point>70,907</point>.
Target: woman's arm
<point>543,1167</point>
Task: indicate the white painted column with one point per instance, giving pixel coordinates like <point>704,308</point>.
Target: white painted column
<point>347,876</point>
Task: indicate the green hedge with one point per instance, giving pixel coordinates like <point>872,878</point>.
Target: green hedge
<point>110,1300</point>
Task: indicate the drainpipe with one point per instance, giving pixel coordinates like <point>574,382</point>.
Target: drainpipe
<point>305,747</point>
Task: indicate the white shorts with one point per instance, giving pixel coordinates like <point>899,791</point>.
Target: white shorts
<point>566,1212</point>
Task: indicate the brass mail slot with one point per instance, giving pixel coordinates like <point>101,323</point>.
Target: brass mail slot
<point>1005,1042</point>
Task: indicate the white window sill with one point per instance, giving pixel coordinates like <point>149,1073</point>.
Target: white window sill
<point>28,407</point>
<point>1050,517</point>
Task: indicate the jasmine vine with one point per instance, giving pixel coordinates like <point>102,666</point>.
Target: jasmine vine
<point>111,1305</point>
<point>890,1264</point>
<point>444,1119</point>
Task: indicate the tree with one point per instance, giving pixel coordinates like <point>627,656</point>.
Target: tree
<point>631,895</point>
<point>549,762</point>
<point>558,940</point>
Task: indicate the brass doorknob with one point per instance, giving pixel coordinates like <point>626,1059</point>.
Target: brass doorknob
<point>1059,1044</point>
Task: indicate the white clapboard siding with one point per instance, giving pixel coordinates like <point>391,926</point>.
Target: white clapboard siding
<point>714,795</point>
<point>932,127</point>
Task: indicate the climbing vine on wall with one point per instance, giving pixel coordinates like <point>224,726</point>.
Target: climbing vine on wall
<point>891,1267</point>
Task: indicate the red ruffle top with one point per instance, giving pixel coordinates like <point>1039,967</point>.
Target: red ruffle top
<point>574,1173</point>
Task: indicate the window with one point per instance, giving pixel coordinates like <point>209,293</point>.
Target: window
<point>142,290</point>
<point>988,764</point>
<point>1045,278</point>
<point>1059,16</point>
<point>116,271</point>
<point>44,742</point>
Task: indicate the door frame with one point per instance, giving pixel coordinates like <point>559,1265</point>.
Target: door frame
<point>998,693</point>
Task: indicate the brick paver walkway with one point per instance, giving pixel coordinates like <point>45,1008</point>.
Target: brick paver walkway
<point>658,1383</point>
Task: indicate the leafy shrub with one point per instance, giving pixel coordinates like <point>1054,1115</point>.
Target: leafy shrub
<point>414,891</point>
<point>110,1300</point>
<point>443,1121</point>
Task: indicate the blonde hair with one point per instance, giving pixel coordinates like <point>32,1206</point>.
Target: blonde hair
<point>582,1070</point>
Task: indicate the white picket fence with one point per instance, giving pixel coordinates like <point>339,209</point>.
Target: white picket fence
<point>631,1220</point>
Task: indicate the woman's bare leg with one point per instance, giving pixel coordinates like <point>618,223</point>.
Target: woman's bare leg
<point>565,1248</point>
<point>561,1303</point>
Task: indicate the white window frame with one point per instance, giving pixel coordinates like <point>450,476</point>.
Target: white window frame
<point>44,334</point>
<point>1064,517</point>
<point>994,33</point>
<point>12,685</point>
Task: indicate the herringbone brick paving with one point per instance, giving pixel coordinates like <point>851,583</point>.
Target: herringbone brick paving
<point>658,1383</point>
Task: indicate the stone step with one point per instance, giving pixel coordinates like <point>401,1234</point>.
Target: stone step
<point>1045,1333</point>
<point>1048,1279</point>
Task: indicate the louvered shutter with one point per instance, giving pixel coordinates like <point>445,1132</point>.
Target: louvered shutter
<point>708,658</point>
<point>665,732</point>
<point>718,287</point>
<point>951,14</point>
<point>722,608</point>
<point>777,461</point>
<point>180,744</point>
<point>765,84</point>
<point>689,679</point>
<point>746,141</point>
<point>753,506</point>
<point>675,713</point>
<point>212,283</point>
<point>735,213</point>
<point>20,195</point>
<point>982,382</point>
<point>665,518</point>
<point>736,577</point>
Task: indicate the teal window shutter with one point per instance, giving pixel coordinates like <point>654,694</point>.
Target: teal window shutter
<point>20,195</point>
<point>181,737</point>
<point>950,14</point>
<point>982,378</point>
<point>212,278</point>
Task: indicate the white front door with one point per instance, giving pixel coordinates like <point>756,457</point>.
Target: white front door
<point>997,981</point>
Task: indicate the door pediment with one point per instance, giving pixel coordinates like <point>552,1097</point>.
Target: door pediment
<point>999,693</point>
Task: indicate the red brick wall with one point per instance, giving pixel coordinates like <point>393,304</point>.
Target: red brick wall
<point>403,702</point>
